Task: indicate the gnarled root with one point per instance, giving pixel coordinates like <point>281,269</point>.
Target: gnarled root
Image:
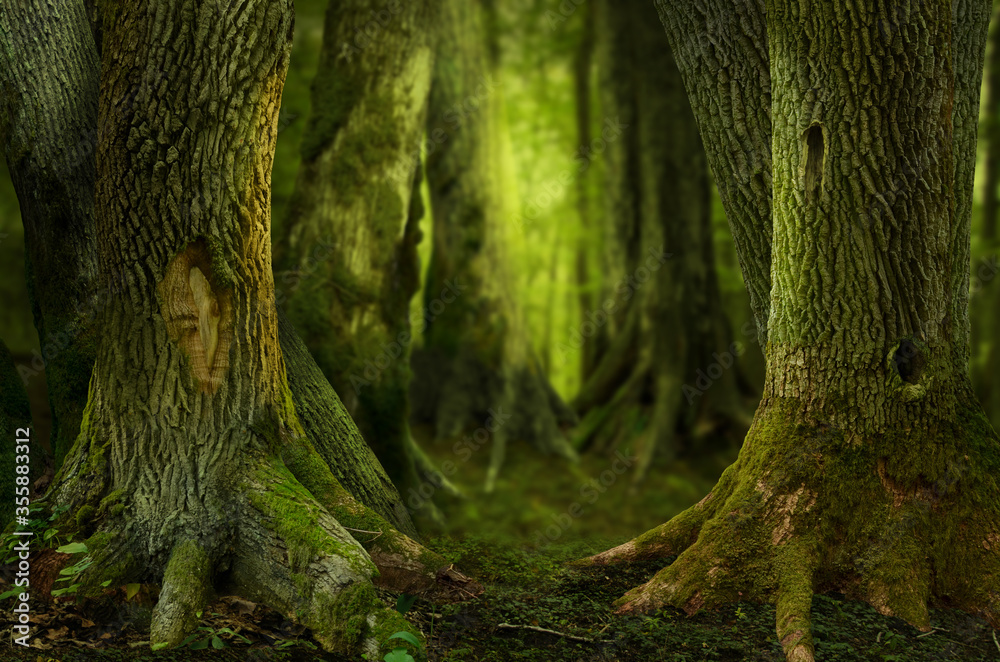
<point>804,511</point>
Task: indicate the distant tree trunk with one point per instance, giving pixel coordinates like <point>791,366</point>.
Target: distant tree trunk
<point>591,345</point>
<point>987,321</point>
<point>870,468</point>
<point>349,261</point>
<point>477,368</point>
<point>192,463</point>
<point>48,132</point>
<point>669,364</point>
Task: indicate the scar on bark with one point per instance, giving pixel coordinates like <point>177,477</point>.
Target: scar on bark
<point>198,313</point>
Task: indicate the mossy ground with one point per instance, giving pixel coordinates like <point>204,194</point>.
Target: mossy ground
<point>494,538</point>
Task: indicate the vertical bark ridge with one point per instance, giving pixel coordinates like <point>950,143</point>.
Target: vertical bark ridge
<point>48,130</point>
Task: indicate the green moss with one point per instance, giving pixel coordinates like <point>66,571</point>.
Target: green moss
<point>293,512</point>
<point>85,517</point>
<point>222,273</point>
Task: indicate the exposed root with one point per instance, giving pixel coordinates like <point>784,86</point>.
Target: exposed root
<point>404,566</point>
<point>806,509</point>
<point>186,586</point>
<point>668,539</point>
<point>794,601</point>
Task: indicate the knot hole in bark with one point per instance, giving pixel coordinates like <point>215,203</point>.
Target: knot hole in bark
<point>813,149</point>
<point>909,360</point>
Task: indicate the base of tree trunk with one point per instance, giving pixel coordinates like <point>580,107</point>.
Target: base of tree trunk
<point>287,535</point>
<point>809,508</point>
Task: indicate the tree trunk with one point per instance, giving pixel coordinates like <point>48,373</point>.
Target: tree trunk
<point>476,367</point>
<point>349,260</point>
<point>987,317</point>
<point>192,463</point>
<point>652,383</point>
<point>48,131</point>
<point>870,468</point>
<point>15,424</point>
<point>591,346</point>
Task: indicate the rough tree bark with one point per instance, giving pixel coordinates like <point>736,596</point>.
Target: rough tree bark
<point>870,468</point>
<point>48,132</point>
<point>192,463</point>
<point>476,357</point>
<point>46,164</point>
<point>666,322</point>
<point>349,262</point>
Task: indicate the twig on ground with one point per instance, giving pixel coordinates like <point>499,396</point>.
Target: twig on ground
<point>535,628</point>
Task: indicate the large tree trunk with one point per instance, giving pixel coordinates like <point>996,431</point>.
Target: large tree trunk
<point>192,463</point>
<point>48,129</point>
<point>870,468</point>
<point>666,326</point>
<point>44,118</point>
<point>348,260</point>
<point>476,368</point>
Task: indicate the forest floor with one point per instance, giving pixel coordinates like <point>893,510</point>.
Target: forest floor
<point>516,541</point>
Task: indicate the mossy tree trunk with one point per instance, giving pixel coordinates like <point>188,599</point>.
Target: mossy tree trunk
<point>192,464</point>
<point>870,468</point>
<point>48,132</point>
<point>663,314</point>
<point>476,368</point>
<point>349,262</point>
<point>36,140</point>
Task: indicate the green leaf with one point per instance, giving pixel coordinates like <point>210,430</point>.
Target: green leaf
<point>72,548</point>
<point>199,645</point>
<point>398,655</point>
<point>405,636</point>
<point>404,602</point>
<point>49,533</point>
<point>217,643</point>
<point>11,593</point>
<point>131,590</point>
<point>106,584</point>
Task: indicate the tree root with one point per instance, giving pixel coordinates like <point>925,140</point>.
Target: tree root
<point>803,511</point>
<point>404,566</point>
<point>185,590</point>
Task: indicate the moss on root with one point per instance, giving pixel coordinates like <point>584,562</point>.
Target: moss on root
<point>292,511</point>
<point>903,520</point>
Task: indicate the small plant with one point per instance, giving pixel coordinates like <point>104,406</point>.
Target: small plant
<point>206,636</point>
<point>400,654</point>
